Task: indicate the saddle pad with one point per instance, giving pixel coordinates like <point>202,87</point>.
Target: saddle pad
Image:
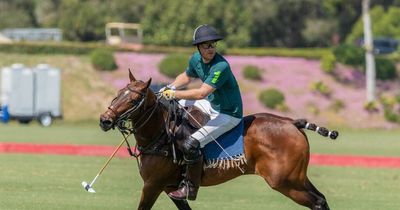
<point>231,141</point>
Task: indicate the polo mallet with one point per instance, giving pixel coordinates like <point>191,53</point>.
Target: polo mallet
<point>88,187</point>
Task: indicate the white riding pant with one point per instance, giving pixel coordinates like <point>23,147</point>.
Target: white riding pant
<point>219,123</point>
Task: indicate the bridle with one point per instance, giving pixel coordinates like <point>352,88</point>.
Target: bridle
<point>127,125</point>
<point>128,113</point>
<point>124,123</point>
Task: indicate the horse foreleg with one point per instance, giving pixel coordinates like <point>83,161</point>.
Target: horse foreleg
<point>150,193</point>
<point>181,204</point>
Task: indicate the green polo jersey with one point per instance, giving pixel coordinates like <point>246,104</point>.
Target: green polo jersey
<point>226,98</point>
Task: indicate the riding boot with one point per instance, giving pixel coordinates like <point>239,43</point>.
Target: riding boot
<point>194,166</point>
<point>191,183</point>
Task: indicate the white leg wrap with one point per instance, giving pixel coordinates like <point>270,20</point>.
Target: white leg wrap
<point>307,125</point>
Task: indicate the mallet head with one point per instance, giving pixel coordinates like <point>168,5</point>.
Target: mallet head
<point>88,187</point>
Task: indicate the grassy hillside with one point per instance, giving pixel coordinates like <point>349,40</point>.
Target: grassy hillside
<point>87,92</point>
<point>294,77</point>
<point>84,94</point>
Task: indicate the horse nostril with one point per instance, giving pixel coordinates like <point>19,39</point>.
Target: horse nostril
<point>107,122</point>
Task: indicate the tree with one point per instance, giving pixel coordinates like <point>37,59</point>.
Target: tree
<point>319,32</point>
<point>385,23</point>
<point>80,21</point>
<point>46,12</point>
<point>173,22</point>
<point>290,23</point>
<point>369,55</point>
<point>130,11</point>
<point>18,13</point>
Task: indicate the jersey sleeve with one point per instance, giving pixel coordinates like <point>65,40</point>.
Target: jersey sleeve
<point>190,70</point>
<point>219,74</point>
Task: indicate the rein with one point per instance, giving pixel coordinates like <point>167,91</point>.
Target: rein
<point>125,125</point>
<point>129,112</point>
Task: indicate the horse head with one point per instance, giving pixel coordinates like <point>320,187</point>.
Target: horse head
<point>129,103</point>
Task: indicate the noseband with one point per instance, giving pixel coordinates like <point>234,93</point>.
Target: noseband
<point>125,117</point>
<point>131,110</point>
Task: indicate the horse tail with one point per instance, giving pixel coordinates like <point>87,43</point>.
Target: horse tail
<point>302,123</point>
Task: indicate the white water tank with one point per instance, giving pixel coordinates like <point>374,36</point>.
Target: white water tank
<point>5,86</point>
<point>47,90</point>
<point>32,93</point>
<point>21,97</point>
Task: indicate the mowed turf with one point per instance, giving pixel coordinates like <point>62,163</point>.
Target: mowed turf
<point>59,133</point>
<point>54,181</point>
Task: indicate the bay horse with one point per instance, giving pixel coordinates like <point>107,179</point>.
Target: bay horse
<point>276,148</point>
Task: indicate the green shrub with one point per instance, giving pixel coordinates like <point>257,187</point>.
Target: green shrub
<point>349,54</point>
<point>173,65</point>
<point>389,105</point>
<point>167,49</point>
<point>328,62</point>
<point>76,48</point>
<point>388,101</point>
<point>395,56</point>
<point>271,98</point>
<point>337,105</point>
<point>397,98</point>
<point>103,59</point>
<point>385,69</point>
<point>282,107</point>
<point>312,108</point>
<point>252,72</point>
<point>391,116</point>
<point>312,53</point>
<point>371,107</point>
<point>321,88</point>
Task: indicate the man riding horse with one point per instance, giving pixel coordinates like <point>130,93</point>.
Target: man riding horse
<point>218,96</point>
<point>280,156</point>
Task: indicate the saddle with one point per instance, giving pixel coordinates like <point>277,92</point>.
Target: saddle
<point>196,118</point>
<point>190,119</point>
<point>227,150</point>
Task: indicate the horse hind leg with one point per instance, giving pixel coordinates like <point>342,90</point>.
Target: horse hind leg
<point>302,194</point>
<point>321,200</point>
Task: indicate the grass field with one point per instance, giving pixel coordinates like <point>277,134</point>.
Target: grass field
<point>53,181</point>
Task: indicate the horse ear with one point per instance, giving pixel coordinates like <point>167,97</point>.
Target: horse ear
<point>131,77</point>
<point>148,83</point>
<point>148,92</point>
